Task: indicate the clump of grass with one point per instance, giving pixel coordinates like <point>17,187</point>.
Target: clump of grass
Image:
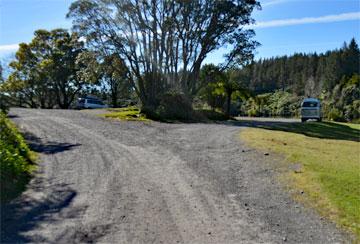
<point>330,174</point>
<point>16,160</point>
<point>129,114</point>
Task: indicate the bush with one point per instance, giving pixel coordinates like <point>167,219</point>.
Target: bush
<point>352,111</point>
<point>4,104</point>
<point>278,103</point>
<point>150,113</point>
<point>174,106</point>
<point>252,112</point>
<point>16,160</point>
<point>336,115</point>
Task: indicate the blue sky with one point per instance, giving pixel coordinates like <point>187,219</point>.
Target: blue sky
<point>283,26</point>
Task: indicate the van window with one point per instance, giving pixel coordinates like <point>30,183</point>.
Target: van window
<point>91,101</point>
<point>310,104</point>
<point>95,101</point>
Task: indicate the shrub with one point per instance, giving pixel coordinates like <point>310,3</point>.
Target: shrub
<point>252,112</point>
<point>352,111</point>
<point>4,104</point>
<point>336,115</point>
<point>16,160</point>
<point>174,106</point>
<point>150,113</point>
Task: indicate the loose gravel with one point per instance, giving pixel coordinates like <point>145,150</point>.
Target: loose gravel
<point>109,181</point>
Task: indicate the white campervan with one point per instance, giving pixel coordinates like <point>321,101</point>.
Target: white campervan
<point>90,102</point>
<point>311,109</point>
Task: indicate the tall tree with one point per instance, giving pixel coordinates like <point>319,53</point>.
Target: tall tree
<point>351,58</point>
<point>116,77</point>
<point>23,82</point>
<point>164,43</point>
<point>1,74</point>
<point>45,70</point>
<point>108,71</point>
<point>304,74</point>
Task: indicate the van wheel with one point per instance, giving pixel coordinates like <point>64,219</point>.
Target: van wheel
<point>303,120</point>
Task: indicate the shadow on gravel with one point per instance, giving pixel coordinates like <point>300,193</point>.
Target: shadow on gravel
<point>50,147</point>
<point>326,130</point>
<point>26,213</point>
<point>12,116</point>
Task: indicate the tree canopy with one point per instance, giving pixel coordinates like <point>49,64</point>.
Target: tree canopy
<point>164,43</point>
<point>45,72</point>
<point>303,74</point>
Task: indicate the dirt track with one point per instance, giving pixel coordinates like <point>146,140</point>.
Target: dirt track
<point>131,182</point>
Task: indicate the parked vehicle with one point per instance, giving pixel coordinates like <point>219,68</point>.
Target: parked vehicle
<point>90,102</point>
<point>311,109</point>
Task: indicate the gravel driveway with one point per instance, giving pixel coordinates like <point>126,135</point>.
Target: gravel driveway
<point>132,182</point>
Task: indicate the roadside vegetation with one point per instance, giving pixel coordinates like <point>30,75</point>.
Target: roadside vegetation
<point>322,165</point>
<point>129,114</point>
<point>16,160</point>
<point>280,83</point>
<point>134,113</point>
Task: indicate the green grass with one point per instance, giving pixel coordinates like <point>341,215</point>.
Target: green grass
<point>16,160</point>
<point>330,174</point>
<point>133,113</point>
<point>129,114</point>
<point>326,130</point>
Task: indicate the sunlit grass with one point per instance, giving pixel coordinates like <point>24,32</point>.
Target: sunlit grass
<point>129,114</point>
<point>330,174</point>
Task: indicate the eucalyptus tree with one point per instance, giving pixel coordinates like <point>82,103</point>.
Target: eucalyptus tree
<point>164,43</point>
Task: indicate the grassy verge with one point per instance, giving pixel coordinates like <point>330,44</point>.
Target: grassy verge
<point>16,160</point>
<point>327,170</point>
<point>129,114</point>
<point>134,114</point>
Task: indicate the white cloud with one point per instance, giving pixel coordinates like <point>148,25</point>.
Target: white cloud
<point>9,48</point>
<point>300,45</point>
<point>308,20</point>
<point>272,2</point>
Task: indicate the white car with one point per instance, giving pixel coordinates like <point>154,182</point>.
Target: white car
<point>311,109</point>
<point>90,102</point>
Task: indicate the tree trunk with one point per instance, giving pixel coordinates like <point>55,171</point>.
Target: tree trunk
<point>228,103</point>
<point>114,92</point>
<point>114,99</point>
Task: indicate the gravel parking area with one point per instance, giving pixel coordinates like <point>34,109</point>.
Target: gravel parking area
<point>109,181</point>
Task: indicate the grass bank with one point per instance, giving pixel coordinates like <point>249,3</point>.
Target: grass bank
<point>133,113</point>
<point>129,114</point>
<point>16,160</point>
<point>323,161</point>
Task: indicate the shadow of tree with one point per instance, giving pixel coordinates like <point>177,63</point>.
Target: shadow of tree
<point>49,147</point>
<point>326,130</point>
<point>12,116</point>
<point>25,213</point>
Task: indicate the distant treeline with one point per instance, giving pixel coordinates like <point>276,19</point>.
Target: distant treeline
<point>303,74</point>
<point>280,83</point>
